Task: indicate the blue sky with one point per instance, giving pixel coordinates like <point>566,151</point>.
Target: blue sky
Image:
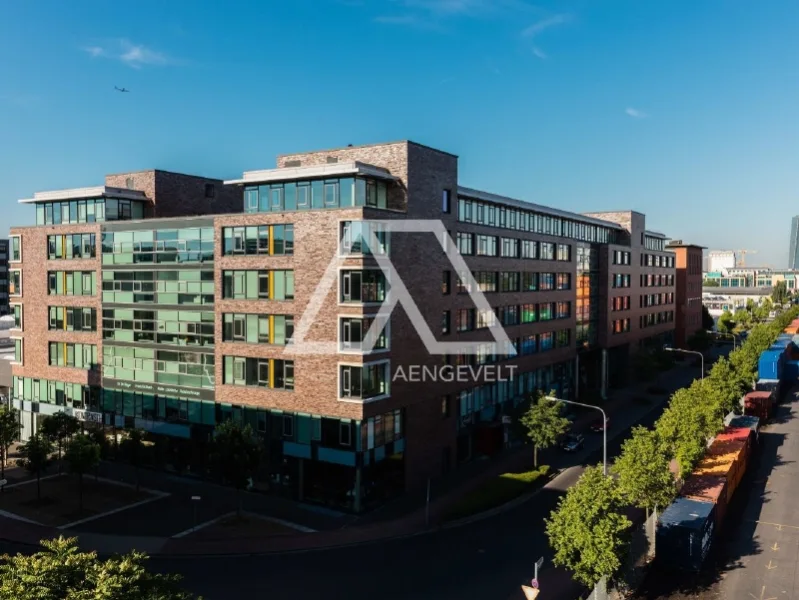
<point>687,110</point>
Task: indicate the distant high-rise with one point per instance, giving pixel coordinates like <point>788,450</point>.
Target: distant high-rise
<point>793,253</point>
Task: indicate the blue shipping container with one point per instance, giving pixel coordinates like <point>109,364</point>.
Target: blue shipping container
<point>768,367</point>
<point>685,533</point>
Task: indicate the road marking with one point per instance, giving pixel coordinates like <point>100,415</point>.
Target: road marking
<point>762,595</point>
<point>779,526</point>
<point>203,525</point>
<point>770,567</point>
<point>159,496</point>
<point>775,548</point>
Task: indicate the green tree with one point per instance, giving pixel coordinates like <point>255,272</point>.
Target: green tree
<point>9,432</point>
<point>59,428</point>
<point>779,293</point>
<point>708,323</point>
<point>544,424</point>
<point>588,531</point>
<point>35,458</point>
<point>699,341</point>
<point>643,471</point>
<point>60,571</point>
<point>83,455</point>
<point>725,324</point>
<point>235,455</point>
<point>710,283</point>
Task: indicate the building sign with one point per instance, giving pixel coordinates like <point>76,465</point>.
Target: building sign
<point>87,415</point>
<point>158,389</point>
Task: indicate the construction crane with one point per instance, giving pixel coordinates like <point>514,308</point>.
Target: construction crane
<point>742,254</point>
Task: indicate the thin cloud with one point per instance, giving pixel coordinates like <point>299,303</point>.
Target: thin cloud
<point>539,53</point>
<point>428,14</point>
<point>135,56</point>
<point>635,113</point>
<point>541,26</point>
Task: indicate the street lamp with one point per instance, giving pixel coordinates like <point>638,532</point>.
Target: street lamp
<point>732,335</point>
<point>604,428</point>
<point>702,356</point>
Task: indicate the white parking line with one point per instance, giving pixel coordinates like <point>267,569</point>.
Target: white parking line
<point>156,496</point>
<point>203,525</point>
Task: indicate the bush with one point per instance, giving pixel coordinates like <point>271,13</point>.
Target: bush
<point>497,492</point>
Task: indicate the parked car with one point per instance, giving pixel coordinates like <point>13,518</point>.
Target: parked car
<point>572,442</point>
<point>596,426</point>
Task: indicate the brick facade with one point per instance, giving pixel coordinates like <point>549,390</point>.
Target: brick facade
<point>689,291</point>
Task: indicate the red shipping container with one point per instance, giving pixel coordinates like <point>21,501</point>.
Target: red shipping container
<point>740,433</point>
<point>708,488</point>
<point>758,404</point>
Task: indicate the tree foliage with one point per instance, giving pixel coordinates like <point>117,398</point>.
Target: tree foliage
<point>779,293</point>
<point>35,458</point>
<point>726,323</point>
<point>643,471</point>
<point>235,453</point>
<point>588,531</point>
<point>9,432</point>
<point>83,455</point>
<point>59,428</point>
<point>61,571</point>
<point>544,424</point>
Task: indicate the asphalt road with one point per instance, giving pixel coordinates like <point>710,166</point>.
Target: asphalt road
<point>486,559</point>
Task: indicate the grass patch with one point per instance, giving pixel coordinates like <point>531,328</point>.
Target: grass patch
<point>497,492</point>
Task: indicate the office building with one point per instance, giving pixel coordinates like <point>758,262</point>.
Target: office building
<point>171,303</point>
<point>721,260</point>
<point>793,250</point>
<point>4,308</point>
<point>688,290</point>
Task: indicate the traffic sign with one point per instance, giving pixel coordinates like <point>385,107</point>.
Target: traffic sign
<point>538,565</point>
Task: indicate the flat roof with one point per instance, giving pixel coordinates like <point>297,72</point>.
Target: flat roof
<point>680,244</point>
<point>657,234</point>
<point>312,171</point>
<point>99,191</point>
<point>555,212</point>
<point>375,145</point>
<point>735,291</point>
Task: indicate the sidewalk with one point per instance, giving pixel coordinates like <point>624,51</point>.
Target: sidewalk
<point>404,517</point>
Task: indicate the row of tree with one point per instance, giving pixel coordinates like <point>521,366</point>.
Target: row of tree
<point>589,531</point>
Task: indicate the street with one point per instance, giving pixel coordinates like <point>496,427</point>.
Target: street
<point>757,555</point>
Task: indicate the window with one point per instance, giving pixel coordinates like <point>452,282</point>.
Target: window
<point>259,372</point>
<point>546,311</point>
<point>253,285</point>
<point>71,246</point>
<point>529,345</point>
<point>563,338</point>
<point>464,319</point>
<point>529,249</point>
<point>528,313</point>
<point>445,201</point>
<point>355,334</point>
<point>273,240</point>
<point>486,245</point>
<point>68,318</point>
<point>16,249</point>
<point>621,280</point>
<point>364,286</point>
<point>508,315</point>
<point>253,329</point>
<point>509,282</point>
<point>564,281</point>
<point>545,341</point>
<point>547,251</point>
<point>564,252</point>
<point>15,282</point>
<point>80,356</point>
<point>18,351</point>
<point>485,318</point>
<point>364,382</point>
<point>356,238</point>
<point>510,247</point>
<point>486,280</point>
<point>445,282</point>
<point>17,310</point>
<point>546,281</point>
<point>563,310</point>
<point>529,282</point>
<point>465,243</point>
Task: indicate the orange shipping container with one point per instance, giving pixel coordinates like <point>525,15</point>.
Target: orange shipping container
<point>708,488</point>
<point>725,458</point>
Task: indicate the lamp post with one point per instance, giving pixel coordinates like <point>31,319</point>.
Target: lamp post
<point>701,356</point>
<point>732,335</point>
<point>604,428</point>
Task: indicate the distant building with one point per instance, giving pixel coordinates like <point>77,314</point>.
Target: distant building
<point>793,252</point>
<point>721,260</point>
<point>3,277</point>
<point>688,292</point>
